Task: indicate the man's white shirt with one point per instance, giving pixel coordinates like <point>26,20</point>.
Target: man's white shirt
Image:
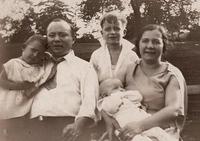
<point>76,92</point>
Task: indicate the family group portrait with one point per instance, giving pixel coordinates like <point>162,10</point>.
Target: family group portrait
<point>99,70</point>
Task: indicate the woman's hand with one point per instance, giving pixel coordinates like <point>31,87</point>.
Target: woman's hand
<point>129,131</point>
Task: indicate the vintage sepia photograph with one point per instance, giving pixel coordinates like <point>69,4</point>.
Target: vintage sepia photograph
<point>99,70</point>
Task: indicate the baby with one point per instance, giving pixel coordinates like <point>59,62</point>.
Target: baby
<point>125,106</point>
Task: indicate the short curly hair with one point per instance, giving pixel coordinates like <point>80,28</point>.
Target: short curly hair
<point>151,27</point>
<point>113,17</point>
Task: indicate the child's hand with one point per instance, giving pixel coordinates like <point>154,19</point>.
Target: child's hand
<point>27,85</point>
<point>31,92</point>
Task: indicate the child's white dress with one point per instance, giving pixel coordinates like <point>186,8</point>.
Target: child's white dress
<point>125,107</point>
<point>14,103</point>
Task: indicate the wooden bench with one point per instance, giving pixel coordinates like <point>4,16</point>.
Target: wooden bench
<point>193,99</point>
<point>193,89</point>
<point>192,126</point>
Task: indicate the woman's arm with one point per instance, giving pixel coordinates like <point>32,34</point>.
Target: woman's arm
<point>7,84</point>
<point>164,116</point>
<point>171,109</point>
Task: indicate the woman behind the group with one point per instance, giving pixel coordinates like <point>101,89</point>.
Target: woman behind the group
<point>114,55</point>
<point>160,83</point>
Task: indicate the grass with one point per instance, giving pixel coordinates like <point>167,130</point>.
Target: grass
<point>186,56</point>
<point>84,50</point>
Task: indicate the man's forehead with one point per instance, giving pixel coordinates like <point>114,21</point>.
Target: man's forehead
<point>58,25</point>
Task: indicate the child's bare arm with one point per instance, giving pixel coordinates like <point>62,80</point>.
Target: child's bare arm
<point>7,84</point>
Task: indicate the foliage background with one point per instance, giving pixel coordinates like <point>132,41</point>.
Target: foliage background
<point>21,18</point>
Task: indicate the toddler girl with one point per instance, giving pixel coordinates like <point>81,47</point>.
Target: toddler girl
<point>19,81</point>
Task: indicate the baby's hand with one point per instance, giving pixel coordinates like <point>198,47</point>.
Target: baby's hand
<point>103,95</point>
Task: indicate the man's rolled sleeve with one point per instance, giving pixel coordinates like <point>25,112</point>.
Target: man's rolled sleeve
<point>89,94</point>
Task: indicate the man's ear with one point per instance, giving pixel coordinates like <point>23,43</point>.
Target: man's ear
<point>101,32</point>
<point>73,41</point>
<point>124,33</point>
<point>23,47</point>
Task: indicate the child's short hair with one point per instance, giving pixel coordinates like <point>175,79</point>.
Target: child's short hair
<point>113,17</point>
<point>110,84</point>
<point>36,37</point>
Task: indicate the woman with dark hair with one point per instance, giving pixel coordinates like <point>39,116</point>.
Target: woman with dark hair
<point>161,84</point>
<point>161,29</point>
